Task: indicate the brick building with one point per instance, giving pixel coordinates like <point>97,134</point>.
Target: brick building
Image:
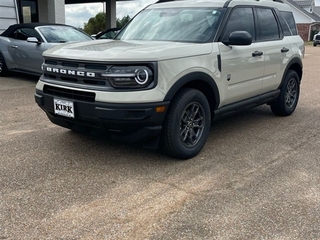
<point>307,17</point>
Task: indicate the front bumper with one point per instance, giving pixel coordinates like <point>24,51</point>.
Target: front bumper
<point>134,123</point>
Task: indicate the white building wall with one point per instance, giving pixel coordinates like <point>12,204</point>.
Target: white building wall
<point>8,14</point>
<point>308,9</point>
<point>300,17</point>
<point>51,11</point>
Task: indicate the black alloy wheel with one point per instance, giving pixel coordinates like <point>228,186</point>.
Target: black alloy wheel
<point>187,124</point>
<point>287,101</point>
<point>192,124</point>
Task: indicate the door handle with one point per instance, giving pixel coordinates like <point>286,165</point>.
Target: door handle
<point>14,46</point>
<point>257,53</point>
<point>284,49</point>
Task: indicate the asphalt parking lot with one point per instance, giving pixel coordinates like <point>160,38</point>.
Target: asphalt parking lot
<point>258,176</point>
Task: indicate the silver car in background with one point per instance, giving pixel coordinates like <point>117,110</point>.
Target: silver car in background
<point>22,45</point>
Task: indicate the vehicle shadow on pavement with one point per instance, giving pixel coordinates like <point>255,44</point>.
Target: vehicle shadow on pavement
<point>17,81</point>
<point>99,144</point>
<point>117,150</point>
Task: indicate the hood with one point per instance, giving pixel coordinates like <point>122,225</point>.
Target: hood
<point>115,50</point>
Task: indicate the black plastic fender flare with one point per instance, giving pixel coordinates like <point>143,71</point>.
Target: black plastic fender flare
<point>192,78</point>
<point>293,61</point>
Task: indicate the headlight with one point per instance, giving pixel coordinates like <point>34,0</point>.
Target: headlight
<point>129,77</point>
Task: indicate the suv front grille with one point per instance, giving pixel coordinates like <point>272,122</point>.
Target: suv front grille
<point>70,94</point>
<point>87,75</point>
<point>318,37</point>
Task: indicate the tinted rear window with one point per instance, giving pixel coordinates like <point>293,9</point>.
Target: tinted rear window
<point>267,24</point>
<point>289,23</point>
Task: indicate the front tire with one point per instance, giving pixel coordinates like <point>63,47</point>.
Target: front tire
<point>187,124</point>
<point>3,66</point>
<point>287,101</point>
<point>314,44</point>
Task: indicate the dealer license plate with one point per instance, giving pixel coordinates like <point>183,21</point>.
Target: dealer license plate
<point>63,108</point>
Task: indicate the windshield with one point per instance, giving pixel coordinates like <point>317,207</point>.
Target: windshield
<point>178,24</point>
<point>61,34</point>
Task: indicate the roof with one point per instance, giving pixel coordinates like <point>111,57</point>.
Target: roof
<point>313,16</point>
<point>14,27</point>
<point>304,3</point>
<point>316,10</point>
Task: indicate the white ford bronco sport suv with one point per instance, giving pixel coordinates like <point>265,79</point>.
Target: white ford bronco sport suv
<point>175,68</point>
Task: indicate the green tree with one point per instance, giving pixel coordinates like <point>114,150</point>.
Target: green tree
<point>123,21</point>
<point>98,23</point>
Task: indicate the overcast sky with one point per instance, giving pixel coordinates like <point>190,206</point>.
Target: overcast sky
<point>78,14</point>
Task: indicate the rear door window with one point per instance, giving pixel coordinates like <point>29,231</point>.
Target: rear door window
<point>268,28</point>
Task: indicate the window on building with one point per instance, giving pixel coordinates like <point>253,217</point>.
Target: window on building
<point>28,11</point>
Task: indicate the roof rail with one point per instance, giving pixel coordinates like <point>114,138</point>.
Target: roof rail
<point>161,1</point>
<point>279,1</point>
<point>227,2</point>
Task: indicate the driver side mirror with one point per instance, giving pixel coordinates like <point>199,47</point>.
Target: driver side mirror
<point>239,38</point>
<point>33,40</point>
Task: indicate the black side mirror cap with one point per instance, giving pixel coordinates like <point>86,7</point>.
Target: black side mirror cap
<point>239,38</point>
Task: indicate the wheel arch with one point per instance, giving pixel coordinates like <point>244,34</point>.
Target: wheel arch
<point>295,65</point>
<point>200,81</point>
<point>3,65</point>
<point>2,54</point>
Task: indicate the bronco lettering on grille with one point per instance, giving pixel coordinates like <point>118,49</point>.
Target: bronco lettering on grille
<point>70,72</point>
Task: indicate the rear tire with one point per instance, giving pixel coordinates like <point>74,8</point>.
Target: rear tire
<point>3,66</point>
<point>187,124</point>
<point>289,95</point>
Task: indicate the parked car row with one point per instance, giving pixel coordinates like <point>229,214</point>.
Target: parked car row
<point>22,45</point>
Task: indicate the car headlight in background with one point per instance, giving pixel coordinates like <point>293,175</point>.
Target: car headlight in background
<point>129,76</point>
